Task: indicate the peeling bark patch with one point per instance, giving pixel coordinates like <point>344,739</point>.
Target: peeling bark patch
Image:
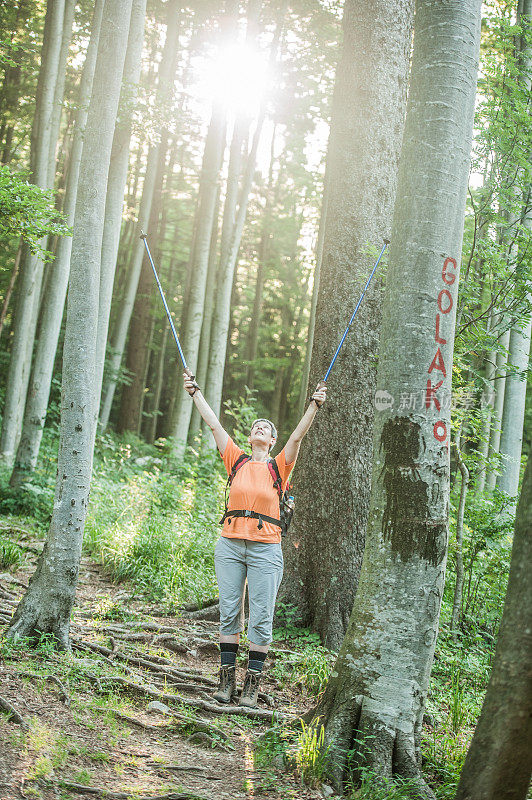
<point>406,522</point>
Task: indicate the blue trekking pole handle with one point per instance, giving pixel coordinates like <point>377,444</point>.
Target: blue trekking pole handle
<point>321,384</point>
<point>170,320</point>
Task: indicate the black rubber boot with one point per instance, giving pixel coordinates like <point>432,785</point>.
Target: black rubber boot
<point>250,692</point>
<point>227,687</point>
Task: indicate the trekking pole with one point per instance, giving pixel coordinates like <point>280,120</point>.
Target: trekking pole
<point>170,320</point>
<point>321,384</point>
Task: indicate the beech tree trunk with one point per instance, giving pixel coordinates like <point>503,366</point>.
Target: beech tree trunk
<point>59,90</point>
<point>212,158</point>
<point>498,764</point>
<point>305,390</point>
<point>56,286</point>
<point>31,267</point>
<point>164,92</point>
<point>373,702</point>
<point>323,550</point>
<point>114,201</point>
<point>262,262</point>
<point>139,329</point>
<point>47,604</point>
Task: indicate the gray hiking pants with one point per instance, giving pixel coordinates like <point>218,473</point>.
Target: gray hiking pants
<point>261,563</point>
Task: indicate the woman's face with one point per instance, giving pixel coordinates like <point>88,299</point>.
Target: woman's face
<point>261,432</point>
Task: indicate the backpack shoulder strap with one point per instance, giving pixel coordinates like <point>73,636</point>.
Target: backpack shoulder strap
<point>276,475</point>
<point>241,460</point>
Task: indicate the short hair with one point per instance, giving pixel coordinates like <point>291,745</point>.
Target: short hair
<point>272,426</point>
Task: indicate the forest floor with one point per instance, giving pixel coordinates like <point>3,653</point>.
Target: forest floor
<point>85,727</point>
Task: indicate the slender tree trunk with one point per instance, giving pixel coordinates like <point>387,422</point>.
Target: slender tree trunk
<point>305,389</point>
<point>373,702</point>
<point>210,289</point>
<point>498,406</point>
<point>487,404</point>
<point>11,286</point>
<point>519,345</point>
<point>212,157</point>
<point>221,316</point>
<point>498,764</point>
<point>31,268</point>
<point>59,91</point>
<point>137,350</point>
<point>323,551</point>
<point>164,92</point>
<point>216,267</point>
<point>47,604</point>
<point>263,255</point>
<point>114,201</point>
<point>459,582</point>
<point>56,285</point>
<point>514,412</point>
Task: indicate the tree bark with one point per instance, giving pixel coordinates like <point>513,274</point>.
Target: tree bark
<point>139,329</point>
<point>212,158</point>
<point>498,406</point>
<point>31,268</point>
<point>305,389</point>
<point>59,90</point>
<point>373,702</point>
<point>323,550</point>
<point>56,286</point>
<point>262,261</point>
<point>47,604</point>
<point>114,201</point>
<point>164,92</point>
<point>196,422</point>
<point>498,764</point>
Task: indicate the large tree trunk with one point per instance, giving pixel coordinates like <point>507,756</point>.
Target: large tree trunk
<point>31,268</point>
<point>498,764</point>
<point>164,92</point>
<point>373,703</point>
<point>56,287</point>
<point>323,550</point>
<point>47,604</point>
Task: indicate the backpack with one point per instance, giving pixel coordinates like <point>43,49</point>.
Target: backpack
<point>286,501</point>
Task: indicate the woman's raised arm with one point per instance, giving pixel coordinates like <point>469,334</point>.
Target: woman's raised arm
<point>291,448</point>
<point>221,437</point>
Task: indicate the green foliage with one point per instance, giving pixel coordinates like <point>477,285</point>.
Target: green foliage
<point>34,498</point>
<point>155,527</point>
<point>10,554</point>
<point>27,211</point>
<point>312,755</point>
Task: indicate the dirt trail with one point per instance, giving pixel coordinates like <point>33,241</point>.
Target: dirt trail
<point>87,723</point>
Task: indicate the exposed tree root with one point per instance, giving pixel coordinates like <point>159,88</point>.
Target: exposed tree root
<point>12,712</point>
<point>136,688</point>
<point>211,613</point>
<point>101,792</point>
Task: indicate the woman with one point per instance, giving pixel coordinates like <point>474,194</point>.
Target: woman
<point>250,548</point>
